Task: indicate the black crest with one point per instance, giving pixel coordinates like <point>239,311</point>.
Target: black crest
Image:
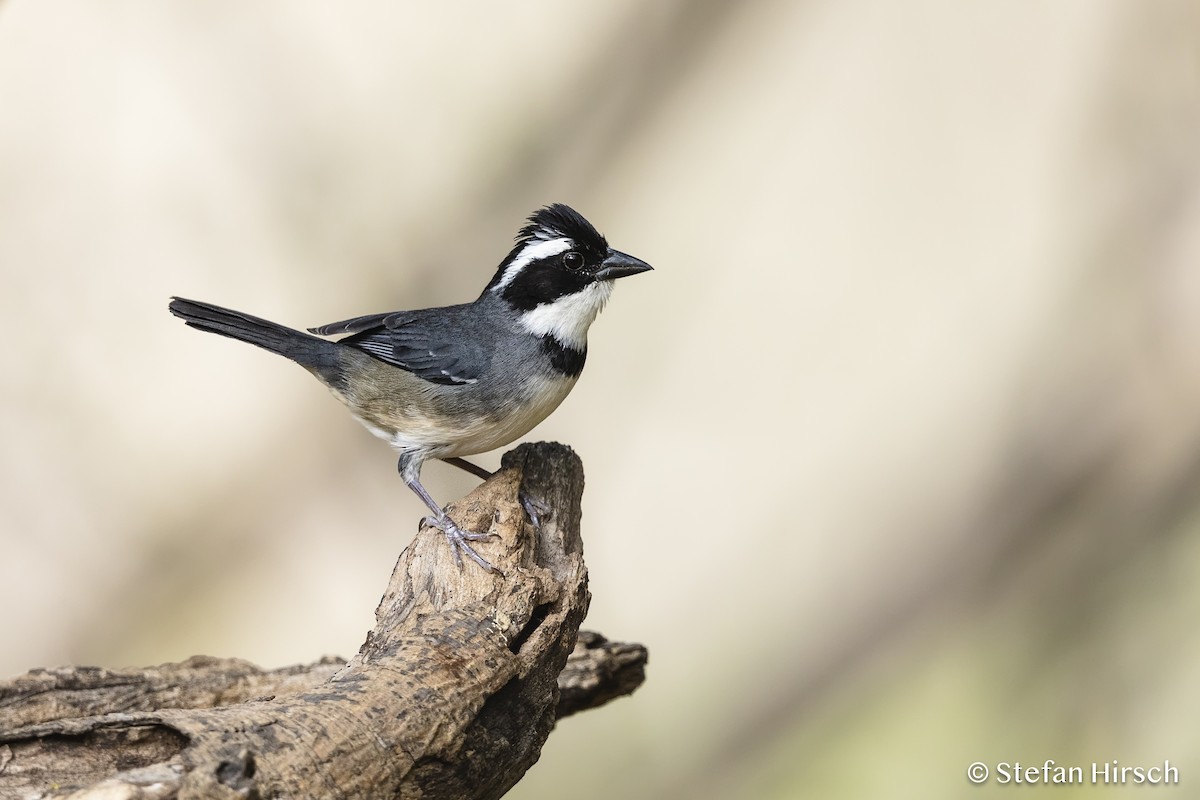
<point>558,220</point>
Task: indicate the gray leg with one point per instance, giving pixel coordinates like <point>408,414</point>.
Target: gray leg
<point>410,471</point>
<point>533,508</point>
<point>467,466</point>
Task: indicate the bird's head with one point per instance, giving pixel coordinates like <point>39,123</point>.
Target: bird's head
<point>560,273</point>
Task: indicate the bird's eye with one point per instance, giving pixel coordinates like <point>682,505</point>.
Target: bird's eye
<point>572,260</point>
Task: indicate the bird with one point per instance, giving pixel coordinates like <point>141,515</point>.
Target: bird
<point>455,381</point>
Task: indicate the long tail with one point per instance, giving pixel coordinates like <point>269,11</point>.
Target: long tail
<point>317,355</point>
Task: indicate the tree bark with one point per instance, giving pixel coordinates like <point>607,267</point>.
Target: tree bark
<point>451,696</point>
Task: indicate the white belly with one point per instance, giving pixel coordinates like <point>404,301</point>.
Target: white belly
<point>443,438</point>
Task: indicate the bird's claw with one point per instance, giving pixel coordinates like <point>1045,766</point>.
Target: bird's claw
<point>535,509</point>
<point>459,542</point>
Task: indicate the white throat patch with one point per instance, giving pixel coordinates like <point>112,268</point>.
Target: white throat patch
<point>533,251</point>
<point>569,317</point>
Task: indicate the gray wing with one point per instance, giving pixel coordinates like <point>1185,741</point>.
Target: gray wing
<point>429,345</point>
<point>353,325</point>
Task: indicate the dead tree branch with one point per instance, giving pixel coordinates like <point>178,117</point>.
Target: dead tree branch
<point>451,696</point>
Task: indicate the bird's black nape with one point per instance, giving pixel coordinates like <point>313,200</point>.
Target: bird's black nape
<point>558,220</point>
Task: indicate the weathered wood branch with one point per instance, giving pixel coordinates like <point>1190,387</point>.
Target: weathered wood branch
<point>451,696</point>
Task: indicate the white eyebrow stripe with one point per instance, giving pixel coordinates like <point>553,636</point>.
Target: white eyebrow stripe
<point>533,251</point>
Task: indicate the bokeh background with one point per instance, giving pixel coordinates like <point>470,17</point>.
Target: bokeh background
<point>893,462</point>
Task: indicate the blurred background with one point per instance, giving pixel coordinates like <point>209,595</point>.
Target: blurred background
<point>893,462</point>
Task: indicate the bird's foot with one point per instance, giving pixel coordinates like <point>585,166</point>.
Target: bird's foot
<point>460,539</point>
<point>535,509</point>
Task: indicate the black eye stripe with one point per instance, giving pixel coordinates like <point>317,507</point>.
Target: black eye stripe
<point>543,282</point>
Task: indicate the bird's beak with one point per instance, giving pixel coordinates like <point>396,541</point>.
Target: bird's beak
<point>618,265</point>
